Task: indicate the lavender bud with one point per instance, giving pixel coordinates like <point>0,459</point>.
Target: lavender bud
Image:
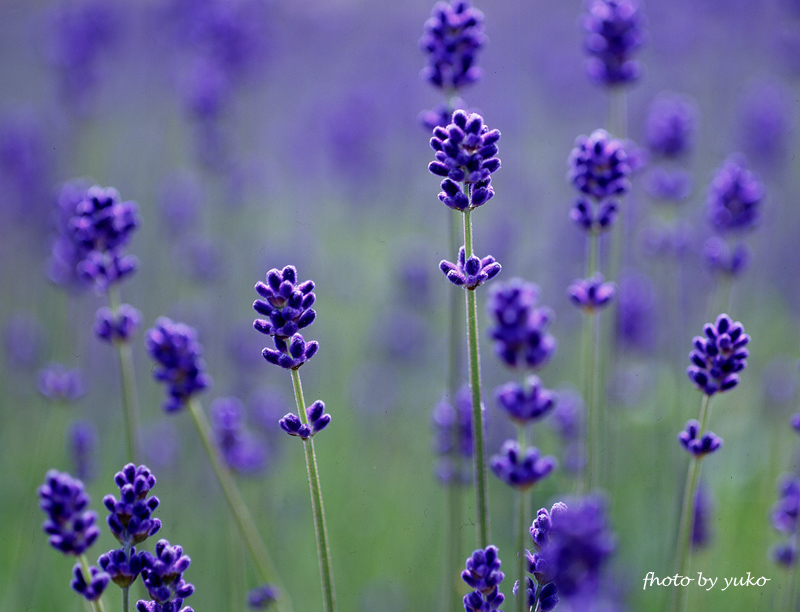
<point>614,30</point>
<point>719,356</point>
<point>519,470</point>
<point>470,273</point>
<point>69,524</point>
<point>698,445</point>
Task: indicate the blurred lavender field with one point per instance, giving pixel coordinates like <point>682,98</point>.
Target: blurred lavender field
<point>255,134</point>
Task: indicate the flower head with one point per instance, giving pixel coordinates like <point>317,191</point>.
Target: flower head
<point>483,570</point>
<point>92,590</point>
<point>594,219</point>
<point>239,449</point>
<point>518,469</point>
<point>527,403</point>
<point>724,259</point>
<point>719,356</point>
<point>317,421</point>
<point>614,30</point>
<point>119,327</point>
<point>286,304</point>
<point>122,568</point>
<point>57,383</point>
<point>598,166</point>
<point>671,125</point>
<point>698,445</point>
<point>290,355</point>
<point>69,524</point>
<point>130,518</point>
<point>470,272</point>
<point>734,196</point>
<point>262,597</point>
<point>592,294</point>
<point>162,574</point>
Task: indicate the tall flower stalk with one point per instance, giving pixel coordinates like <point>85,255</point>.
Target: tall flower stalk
<point>287,306</point>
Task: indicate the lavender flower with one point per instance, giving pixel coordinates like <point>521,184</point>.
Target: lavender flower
<point>717,358</point>
<point>734,196</point>
<point>23,340</point>
<point>239,449</point>
<point>702,517</point>
<point>59,384</point>
<point>452,39</point>
<point>286,303</point>
<point>175,348</point>
<point>262,597</point>
<point>784,554</point>
<point>466,152</point>
<point>786,510</point>
<point>724,259</point>
<point>82,447</point>
<point>317,421</point>
<point>130,518</point>
<point>69,524</point>
<point>520,470</point>
<point>543,591</point>
<point>119,327</point>
<point>592,294</point>
<point>162,575</point>
<point>698,445</point>
<point>598,166</point>
<point>290,355</point>
<point>483,570</point>
<point>765,124</point>
<point>520,332</point>
<point>93,589</point>
<point>452,422</point>
<point>671,125</point>
<point>527,403</point>
<point>668,185</point>
<point>592,221</point>
<point>470,272</point>
<point>614,30</point>
<point>123,568</point>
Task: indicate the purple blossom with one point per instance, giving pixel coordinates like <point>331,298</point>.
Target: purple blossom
<point>518,469</point>
<point>452,422</point>
<point>82,437</point>
<point>290,355</point>
<point>671,125</point>
<point>317,421</point>
<point>470,272</point>
<point>239,449</point>
<point>784,554</point>
<point>118,327</point>
<point>59,384</point>
<point>483,570</point>
<point>262,597</point>
<point>719,356</point>
<point>766,124</point>
<point>177,353</point>
<point>525,403</point>
<point>702,517</point>
<point>130,519</point>
<point>698,445</point>
<point>452,39</point>
<point>592,294</point>
<point>23,340</point>
<point>734,196</point>
<point>786,509</point>
<point>92,590</point>
<point>614,30</point>
<point>162,575</point>
<point>594,219</point>
<point>721,258</point>
<point>287,303</point>
<point>69,524</point>
<point>123,568</point>
<point>598,166</point>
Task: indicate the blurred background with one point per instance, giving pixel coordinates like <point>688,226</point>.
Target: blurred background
<point>256,134</point>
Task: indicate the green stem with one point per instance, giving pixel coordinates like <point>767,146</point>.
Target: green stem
<point>241,515</point>
<point>522,530</point>
<point>479,458</point>
<point>130,403</point>
<point>97,605</point>
<point>323,550</point>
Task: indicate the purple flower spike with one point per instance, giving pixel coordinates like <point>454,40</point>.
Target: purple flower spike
<point>598,166</point>
<point>784,554</point>
<point>59,384</point>
<point>786,510</point>
<point>614,30</point>
<point>130,518</point>
<point>591,219</point>
<point>262,597</point>
<point>162,575</point>
<point>734,197</point>
<point>286,303</point>
<point>719,356</point>
<point>452,39</point>
<point>483,570</point>
<point>723,259</point>
<point>452,422</point>
<point>121,568</point>
<point>92,590</point>
<point>175,349</point>
<point>592,294</point>
<point>671,125</point>
<point>697,445</point>
<point>470,273</point>
<point>519,470</point>
<point>119,328</point>
<point>478,602</point>
<point>69,524</point>
<point>292,355</point>
<point>239,449</point>
<point>525,404</point>
<point>317,421</point>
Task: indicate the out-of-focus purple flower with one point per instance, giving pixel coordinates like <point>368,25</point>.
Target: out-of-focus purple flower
<point>122,567</point>
<point>568,415</point>
<point>317,421</point>
<point>162,575</point>
<point>614,31</point>
<point>521,470</point>
<point>262,597</point>
<point>734,196</point>
<point>696,444</point>
<point>130,518</point>
<point>118,327</point>
<point>466,155</point>
<point>69,524</point>
<point>520,332</point>
<point>724,259</point>
<point>786,509</point>
<point>59,384</point>
<point>92,590</point>
<point>671,125</point>
<point>594,219</point>
<point>784,554</point>
<point>598,166</point>
<point>668,185</point>
<point>545,591</point>
<point>701,524</point>
<point>82,438</point>
<point>795,422</point>
<point>286,303</point>
<point>440,115</point>
<point>25,164</point>
<point>452,423</point>
<point>765,125</point>
<point>470,272</point>
<point>23,339</point>
<point>177,352</point>
<point>527,403</point>
<point>592,294</point>
<point>239,449</point>
<point>717,358</point>
<point>637,320</point>
<point>452,38</point>
<point>206,90</point>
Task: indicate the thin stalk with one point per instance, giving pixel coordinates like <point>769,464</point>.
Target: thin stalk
<point>97,605</point>
<point>591,377</point>
<point>479,458</point>
<point>130,402</point>
<point>793,579</point>
<point>522,530</point>
<point>323,550</point>
<point>241,515</point>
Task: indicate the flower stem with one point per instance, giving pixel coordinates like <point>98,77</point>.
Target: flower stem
<point>522,530</point>
<point>97,604</point>
<point>323,550</point>
<point>130,402</point>
<point>241,515</point>
<point>479,458</point>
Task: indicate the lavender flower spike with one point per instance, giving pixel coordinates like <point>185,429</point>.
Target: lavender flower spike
<point>119,328</point>
<point>317,421</point>
<point>262,597</point>
<point>130,518</point>
<point>734,196</point>
<point>518,470</point>
<point>470,272</point>
<point>592,294</point>
<point>483,574</point>
<point>527,403</point>
<point>598,166</point>
<point>719,356</point>
<point>287,303</point>
<point>93,589</point>
<point>162,575</point>
<point>614,30</point>
<point>291,355</point>
<point>698,445</point>
<point>69,524</point>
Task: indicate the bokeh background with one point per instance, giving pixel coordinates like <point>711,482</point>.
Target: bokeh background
<point>256,134</point>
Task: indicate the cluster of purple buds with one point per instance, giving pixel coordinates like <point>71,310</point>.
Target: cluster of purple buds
<point>440,115</point>
<point>452,38</point>
<point>785,520</point>
<point>316,417</point>
<point>695,444</point>
<point>719,356</point>
<point>162,575</point>
<point>287,306</point>
<point>521,470</point>
<point>177,352</point>
<point>470,272</point>
<point>262,597</point>
<point>466,155</point>
<point>598,166</point>
<point>484,576</point>
<point>452,422</point>
<point>614,30</point>
<point>130,518</point>
<point>239,449</point>
<point>670,125</point>
<point>92,590</point>
<point>592,294</point>
<point>543,590</point>
<point>664,185</point>
<point>525,403</point>
<point>592,221</point>
<point>734,196</point>
<point>118,327</point>
<point>724,259</point>
<point>59,384</point>
<point>520,331</point>
<point>69,524</point>
<point>122,567</point>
